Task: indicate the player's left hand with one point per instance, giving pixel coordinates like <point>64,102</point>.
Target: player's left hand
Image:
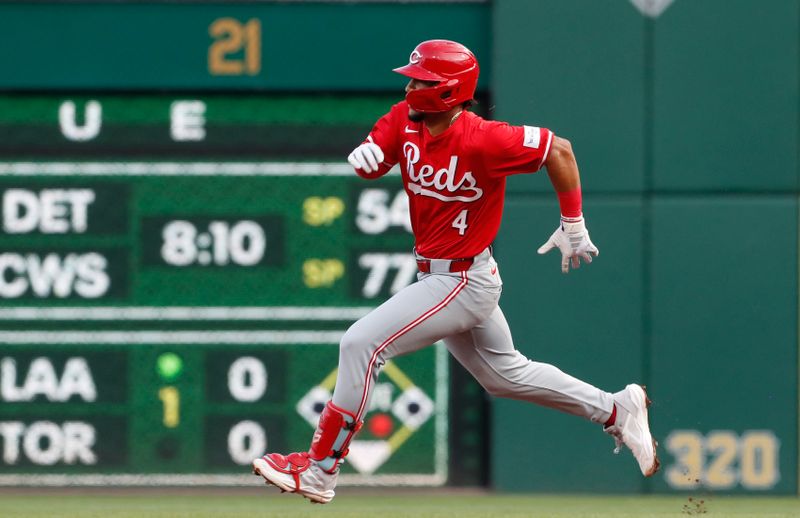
<point>572,239</point>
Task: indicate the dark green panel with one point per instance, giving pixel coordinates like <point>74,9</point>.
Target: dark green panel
<point>52,377</point>
<point>61,209</point>
<point>63,272</point>
<point>218,430</point>
<point>725,95</point>
<point>587,323</point>
<point>187,126</point>
<point>307,46</point>
<point>260,241</point>
<point>63,443</point>
<point>168,408</point>
<point>219,363</point>
<point>725,342</point>
<point>556,66</point>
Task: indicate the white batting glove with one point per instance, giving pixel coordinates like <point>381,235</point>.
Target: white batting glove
<point>367,157</point>
<point>572,238</point>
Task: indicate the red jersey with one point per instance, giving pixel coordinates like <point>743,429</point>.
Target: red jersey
<point>456,181</point>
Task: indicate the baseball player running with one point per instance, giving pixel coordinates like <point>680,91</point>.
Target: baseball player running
<point>454,166</point>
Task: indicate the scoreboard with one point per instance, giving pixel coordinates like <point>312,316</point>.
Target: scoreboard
<point>157,234</point>
<point>175,275</point>
<point>134,411</point>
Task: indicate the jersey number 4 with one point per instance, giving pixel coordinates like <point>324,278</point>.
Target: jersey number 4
<point>461,222</point>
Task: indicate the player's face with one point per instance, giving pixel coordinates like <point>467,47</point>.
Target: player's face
<point>414,84</point>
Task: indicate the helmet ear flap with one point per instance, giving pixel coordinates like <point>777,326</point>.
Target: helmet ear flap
<point>448,90</point>
<point>435,99</point>
<point>453,93</point>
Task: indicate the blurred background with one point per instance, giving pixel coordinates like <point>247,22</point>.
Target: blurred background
<point>183,242</point>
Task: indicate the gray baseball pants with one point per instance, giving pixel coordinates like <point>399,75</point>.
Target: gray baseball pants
<point>461,309</point>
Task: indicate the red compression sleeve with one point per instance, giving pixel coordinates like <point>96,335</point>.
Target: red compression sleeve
<point>570,202</point>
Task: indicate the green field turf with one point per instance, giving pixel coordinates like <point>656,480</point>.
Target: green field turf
<point>388,504</point>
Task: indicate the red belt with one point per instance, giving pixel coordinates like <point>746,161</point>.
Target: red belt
<point>456,265</point>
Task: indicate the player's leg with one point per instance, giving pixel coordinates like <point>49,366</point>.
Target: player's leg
<point>417,316</point>
<point>487,352</point>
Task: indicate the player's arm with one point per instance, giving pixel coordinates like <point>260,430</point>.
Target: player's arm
<point>562,168</point>
<point>571,236</point>
<point>376,155</point>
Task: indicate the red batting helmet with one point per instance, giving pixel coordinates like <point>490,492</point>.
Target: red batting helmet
<point>452,65</point>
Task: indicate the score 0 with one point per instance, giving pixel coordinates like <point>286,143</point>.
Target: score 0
<point>232,39</point>
<point>247,383</point>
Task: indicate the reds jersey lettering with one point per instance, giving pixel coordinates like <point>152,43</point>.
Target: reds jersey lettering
<point>456,181</point>
<point>443,181</point>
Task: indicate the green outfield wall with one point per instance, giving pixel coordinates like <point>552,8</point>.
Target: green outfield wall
<point>293,46</point>
<point>182,242</point>
<point>685,126</point>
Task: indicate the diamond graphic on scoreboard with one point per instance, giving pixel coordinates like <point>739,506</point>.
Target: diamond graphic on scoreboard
<point>367,456</point>
<point>313,403</point>
<point>413,407</point>
<point>395,420</point>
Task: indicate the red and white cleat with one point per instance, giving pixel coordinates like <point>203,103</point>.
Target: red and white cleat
<point>296,473</point>
<point>633,429</point>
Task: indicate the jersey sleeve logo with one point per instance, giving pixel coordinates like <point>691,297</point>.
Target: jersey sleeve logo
<point>533,137</point>
<point>441,184</point>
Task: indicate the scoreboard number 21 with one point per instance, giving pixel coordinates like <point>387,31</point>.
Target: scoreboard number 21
<point>233,38</point>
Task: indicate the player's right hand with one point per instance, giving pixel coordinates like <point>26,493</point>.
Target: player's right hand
<point>572,239</point>
<point>367,157</point>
